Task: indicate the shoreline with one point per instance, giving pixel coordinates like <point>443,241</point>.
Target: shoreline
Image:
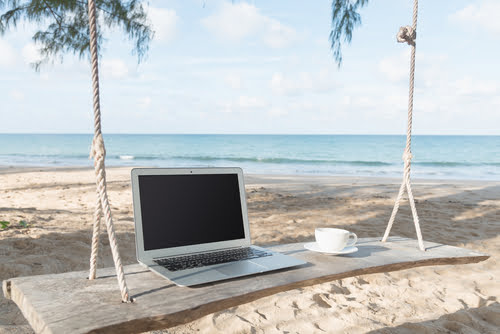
<point>256,176</point>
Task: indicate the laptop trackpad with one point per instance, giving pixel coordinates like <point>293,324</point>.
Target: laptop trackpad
<point>240,268</point>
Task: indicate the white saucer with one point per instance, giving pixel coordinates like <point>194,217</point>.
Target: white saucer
<point>312,246</point>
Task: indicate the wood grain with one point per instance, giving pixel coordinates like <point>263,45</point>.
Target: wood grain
<point>69,303</point>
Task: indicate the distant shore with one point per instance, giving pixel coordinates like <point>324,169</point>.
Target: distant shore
<point>58,205</point>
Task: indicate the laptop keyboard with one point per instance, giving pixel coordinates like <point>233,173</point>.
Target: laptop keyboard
<point>207,259</point>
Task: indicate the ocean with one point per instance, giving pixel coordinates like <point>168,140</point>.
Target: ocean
<point>435,157</point>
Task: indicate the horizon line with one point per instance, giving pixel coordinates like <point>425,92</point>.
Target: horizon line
<point>243,134</point>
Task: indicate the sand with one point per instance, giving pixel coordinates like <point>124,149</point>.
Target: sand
<point>58,206</point>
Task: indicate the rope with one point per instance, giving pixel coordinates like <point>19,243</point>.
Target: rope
<point>95,238</point>
<point>408,35</point>
<point>98,152</point>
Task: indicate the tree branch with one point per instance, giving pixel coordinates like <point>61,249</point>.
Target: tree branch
<point>67,29</point>
<point>57,17</point>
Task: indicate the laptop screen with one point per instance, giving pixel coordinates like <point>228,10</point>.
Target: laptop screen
<point>184,210</point>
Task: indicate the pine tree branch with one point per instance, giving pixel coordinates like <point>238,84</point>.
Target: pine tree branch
<point>11,16</point>
<point>56,16</point>
<point>64,24</point>
<point>345,18</point>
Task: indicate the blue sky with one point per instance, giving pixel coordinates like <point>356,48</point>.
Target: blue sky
<point>266,67</point>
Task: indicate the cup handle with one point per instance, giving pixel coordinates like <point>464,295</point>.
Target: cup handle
<point>354,239</point>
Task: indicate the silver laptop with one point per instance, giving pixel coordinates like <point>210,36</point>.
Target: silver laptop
<point>191,226</point>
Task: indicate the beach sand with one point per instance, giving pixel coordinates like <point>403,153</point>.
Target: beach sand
<point>58,205</point>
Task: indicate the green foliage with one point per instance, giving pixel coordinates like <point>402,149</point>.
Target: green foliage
<point>64,27</point>
<point>4,224</point>
<point>345,18</point>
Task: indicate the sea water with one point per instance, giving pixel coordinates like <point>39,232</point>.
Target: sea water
<point>438,157</point>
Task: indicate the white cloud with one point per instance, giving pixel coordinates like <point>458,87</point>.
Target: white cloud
<point>30,53</point>
<point>366,100</point>
<point>363,102</point>
<point>322,81</point>
<point>114,68</point>
<point>279,85</point>
<point>164,22</point>
<point>16,95</point>
<point>470,86</point>
<point>302,106</point>
<point>237,21</point>
<point>392,103</point>
<point>482,14</point>
<point>229,60</point>
<point>213,60</point>
<point>395,68</point>
<point>233,80</point>
<point>243,104</point>
<point>430,71</point>
<point>346,100</point>
<point>277,112</point>
<point>247,102</point>
<point>7,54</point>
<point>234,21</point>
<point>445,98</point>
<point>305,82</point>
<point>428,104</point>
<point>144,103</point>
<point>278,35</point>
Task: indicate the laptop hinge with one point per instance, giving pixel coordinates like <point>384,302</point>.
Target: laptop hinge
<point>203,252</point>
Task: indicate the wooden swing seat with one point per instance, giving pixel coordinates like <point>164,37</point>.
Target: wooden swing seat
<point>70,303</point>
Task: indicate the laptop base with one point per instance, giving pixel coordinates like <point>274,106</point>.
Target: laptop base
<point>224,271</point>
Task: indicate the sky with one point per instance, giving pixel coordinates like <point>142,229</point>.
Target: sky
<point>266,67</point>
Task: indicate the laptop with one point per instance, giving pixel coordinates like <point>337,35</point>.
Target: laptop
<point>191,226</point>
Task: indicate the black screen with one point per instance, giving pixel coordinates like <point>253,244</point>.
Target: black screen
<point>183,210</point>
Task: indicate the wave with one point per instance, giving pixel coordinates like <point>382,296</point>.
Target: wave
<point>265,160</point>
<point>253,159</point>
<point>138,157</point>
<point>282,160</point>
<point>455,164</point>
<point>51,156</point>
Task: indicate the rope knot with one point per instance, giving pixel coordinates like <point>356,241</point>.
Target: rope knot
<point>407,156</point>
<point>407,35</point>
<point>97,150</point>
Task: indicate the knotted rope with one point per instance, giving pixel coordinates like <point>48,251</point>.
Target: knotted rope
<point>408,35</point>
<point>98,152</point>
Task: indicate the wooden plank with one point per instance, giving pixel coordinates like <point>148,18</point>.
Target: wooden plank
<point>69,303</point>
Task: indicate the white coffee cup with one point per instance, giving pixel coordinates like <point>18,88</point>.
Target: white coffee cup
<point>334,239</point>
